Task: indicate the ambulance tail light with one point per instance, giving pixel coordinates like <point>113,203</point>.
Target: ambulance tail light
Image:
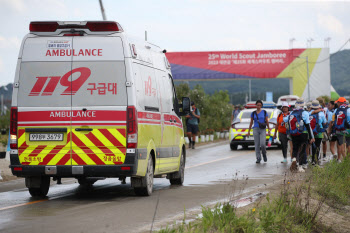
<point>43,26</point>
<point>93,26</point>
<point>13,128</point>
<point>131,124</point>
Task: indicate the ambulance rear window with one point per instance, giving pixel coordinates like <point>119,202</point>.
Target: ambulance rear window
<point>54,73</point>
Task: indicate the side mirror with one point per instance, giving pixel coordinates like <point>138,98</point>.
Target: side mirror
<point>186,106</point>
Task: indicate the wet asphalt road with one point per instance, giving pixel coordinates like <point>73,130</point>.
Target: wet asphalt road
<point>109,206</point>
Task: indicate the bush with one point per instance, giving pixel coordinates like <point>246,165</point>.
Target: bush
<point>215,109</point>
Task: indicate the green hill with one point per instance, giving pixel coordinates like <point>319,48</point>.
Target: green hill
<point>340,72</point>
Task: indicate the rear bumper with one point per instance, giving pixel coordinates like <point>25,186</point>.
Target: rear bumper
<point>129,168</point>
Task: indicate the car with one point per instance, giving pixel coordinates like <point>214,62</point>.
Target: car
<point>239,128</point>
<point>290,99</point>
<point>266,104</point>
<point>90,102</point>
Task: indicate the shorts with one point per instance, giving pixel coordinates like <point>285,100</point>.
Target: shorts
<point>192,128</point>
<point>341,139</point>
<point>334,138</point>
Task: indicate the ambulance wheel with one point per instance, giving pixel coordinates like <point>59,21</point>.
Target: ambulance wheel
<point>86,182</point>
<point>42,190</point>
<point>233,147</point>
<point>146,187</point>
<point>180,175</point>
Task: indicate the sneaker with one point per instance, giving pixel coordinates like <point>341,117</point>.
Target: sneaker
<point>265,159</point>
<point>304,166</point>
<point>301,169</point>
<point>313,163</point>
<point>324,159</point>
<point>339,161</point>
<point>258,161</point>
<point>284,161</point>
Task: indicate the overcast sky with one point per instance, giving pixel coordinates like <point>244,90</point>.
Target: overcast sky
<point>192,25</point>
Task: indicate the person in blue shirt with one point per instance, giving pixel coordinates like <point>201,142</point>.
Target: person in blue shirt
<point>192,120</point>
<point>300,141</point>
<point>260,120</point>
<point>322,122</point>
<point>343,136</point>
<point>332,137</point>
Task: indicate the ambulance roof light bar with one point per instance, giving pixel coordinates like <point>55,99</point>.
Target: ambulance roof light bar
<point>93,26</point>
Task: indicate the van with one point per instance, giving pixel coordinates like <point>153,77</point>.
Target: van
<point>90,102</point>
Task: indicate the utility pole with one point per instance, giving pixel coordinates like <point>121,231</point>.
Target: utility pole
<point>250,90</point>
<point>102,10</point>
<point>2,104</point>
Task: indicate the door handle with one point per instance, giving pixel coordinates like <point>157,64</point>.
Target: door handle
<point>83,129</point>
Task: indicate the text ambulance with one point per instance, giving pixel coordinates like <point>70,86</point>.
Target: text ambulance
<point>89,102</point>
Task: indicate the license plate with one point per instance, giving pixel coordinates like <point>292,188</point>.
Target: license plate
<point>250,138</point>
<point>46,137</point>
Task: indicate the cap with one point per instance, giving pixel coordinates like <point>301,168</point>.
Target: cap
<point>341,100</point>
<point>315,104</point>
<point>285,104</point>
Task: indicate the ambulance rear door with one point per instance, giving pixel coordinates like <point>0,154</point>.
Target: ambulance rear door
<point>44,102</point>
<point>99,107</point>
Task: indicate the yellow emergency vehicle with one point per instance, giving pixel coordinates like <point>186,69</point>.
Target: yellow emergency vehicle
<point>90,102</point>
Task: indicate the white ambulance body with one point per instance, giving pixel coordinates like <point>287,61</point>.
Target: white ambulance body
<point>89,103</point>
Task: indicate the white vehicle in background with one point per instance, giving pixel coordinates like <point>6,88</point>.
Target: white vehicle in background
<point>290,99</point>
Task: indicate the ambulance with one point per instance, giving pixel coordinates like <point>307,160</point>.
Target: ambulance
<point>90,102</point>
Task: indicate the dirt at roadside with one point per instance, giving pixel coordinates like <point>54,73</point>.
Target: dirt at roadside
<point>6,171</point>
<point>335,219</point>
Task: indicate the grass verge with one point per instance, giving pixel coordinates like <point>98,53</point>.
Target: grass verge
<point>297,207</point>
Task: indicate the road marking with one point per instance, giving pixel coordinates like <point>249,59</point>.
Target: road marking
<point>217,160</point>
<point>28,203</point>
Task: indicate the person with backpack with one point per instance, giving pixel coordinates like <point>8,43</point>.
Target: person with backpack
<point>340,124</point>
<point>298,126</point>
<point>318,125</point>
<point>192,121</point>
<point>332,137</point>
<point>259,120</point>
<point>282,132</point>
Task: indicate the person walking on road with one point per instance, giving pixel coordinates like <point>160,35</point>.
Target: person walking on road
<point>318,122</point>
<point>192,122</point>
<point>299,128</point>
<point>282,132</point>
<point>235,113</point>
<point>340,124</point>
<point>259,120</point>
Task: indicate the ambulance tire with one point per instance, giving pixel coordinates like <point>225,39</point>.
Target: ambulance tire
<point>180,175</point>
<point>42,190</point>
<point>245,147</point>
<point>86,182</point>
<point>146,181</point>
<point>233,147</point>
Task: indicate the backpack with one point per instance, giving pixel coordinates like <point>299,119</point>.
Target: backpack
<point>341,123</point>
<point>316,129</point>
<point>296,128</point>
